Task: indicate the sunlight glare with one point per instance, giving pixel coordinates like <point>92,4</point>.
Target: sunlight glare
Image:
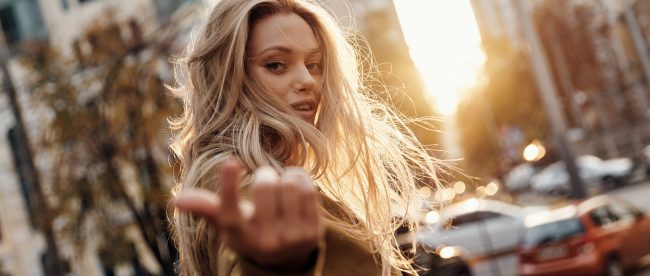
<point>445,44</point>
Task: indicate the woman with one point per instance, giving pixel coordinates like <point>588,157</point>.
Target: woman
<point>289,166</point>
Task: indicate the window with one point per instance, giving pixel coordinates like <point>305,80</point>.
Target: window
<point>64,4</point>
<point>166,7</point>
<point>602,216</point>
<point>554,231</point>
<point>84,1</point>
<point>21,20</point>
<point>472,218</point>
<point>9,24</point>
<point>622,212</point>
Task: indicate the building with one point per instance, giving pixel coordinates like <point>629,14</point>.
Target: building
<point>607,106</point>
<point>61,23</point>
<point>497,19</point>
<point>21,246</point>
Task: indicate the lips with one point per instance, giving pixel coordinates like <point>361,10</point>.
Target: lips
<point>305,108</point>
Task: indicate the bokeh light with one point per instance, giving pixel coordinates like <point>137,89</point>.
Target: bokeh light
<point>534,151</point>
<point>425,191</point>
<point>491,188</point>
<point>459,187</point>
<point>432,217</point>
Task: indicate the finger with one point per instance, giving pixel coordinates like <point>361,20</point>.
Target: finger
<point>265,198</point>
<point>199,202</point>
<point>310,212</point>
<point>229,181</point>
<point>290,201</point>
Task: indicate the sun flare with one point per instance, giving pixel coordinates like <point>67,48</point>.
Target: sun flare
<point>445,44</point>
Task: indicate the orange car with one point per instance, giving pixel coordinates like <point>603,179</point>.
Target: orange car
<point>599,236</point>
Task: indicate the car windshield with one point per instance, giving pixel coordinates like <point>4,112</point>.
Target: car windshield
<point>554,231</point>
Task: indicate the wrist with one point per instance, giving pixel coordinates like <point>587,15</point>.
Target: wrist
<point>302,264</point>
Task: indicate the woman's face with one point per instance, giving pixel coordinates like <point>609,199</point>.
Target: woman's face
<point>286,59</point>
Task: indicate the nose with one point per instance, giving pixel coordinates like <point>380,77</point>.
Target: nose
<point>304,80</point>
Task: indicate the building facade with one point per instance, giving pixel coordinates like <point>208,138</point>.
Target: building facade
<point>607,106</point>
<point>61,23</point>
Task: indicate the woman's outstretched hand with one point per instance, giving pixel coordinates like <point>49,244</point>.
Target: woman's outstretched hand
<point>282,228</point>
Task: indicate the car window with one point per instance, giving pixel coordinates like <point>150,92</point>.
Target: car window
<point>602,216</point>
<point>588,170</point>
<point>553,231</point>
<point>622,212</point>
<point>474,217</point>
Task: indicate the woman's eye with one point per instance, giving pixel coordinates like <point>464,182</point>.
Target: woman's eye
<point>315,68</point>
<point>276,66</point>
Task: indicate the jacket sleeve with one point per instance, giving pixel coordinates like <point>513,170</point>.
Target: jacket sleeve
<point>230,264</point>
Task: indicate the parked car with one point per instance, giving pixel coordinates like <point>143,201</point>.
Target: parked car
<point>482,229</point>
<point>431,261</point>
<point>518,178</point>
<point>594,172</point>
<point>600,236</point>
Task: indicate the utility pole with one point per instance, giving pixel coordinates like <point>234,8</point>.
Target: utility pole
<point>548,93</point>
<point>639,42</point>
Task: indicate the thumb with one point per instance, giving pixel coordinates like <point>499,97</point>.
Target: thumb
<point>199,202</point>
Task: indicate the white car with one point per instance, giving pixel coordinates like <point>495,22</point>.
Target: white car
<point>485,230</point>
<point>518,178</point>
<point>594,172</point>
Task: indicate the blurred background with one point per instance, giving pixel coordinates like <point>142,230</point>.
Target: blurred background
<point>539,104</point>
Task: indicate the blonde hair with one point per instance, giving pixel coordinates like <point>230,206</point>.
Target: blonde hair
<point>359,152</point>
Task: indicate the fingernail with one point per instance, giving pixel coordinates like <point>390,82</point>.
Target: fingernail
<point>265,175</point>
<point>231,161</point>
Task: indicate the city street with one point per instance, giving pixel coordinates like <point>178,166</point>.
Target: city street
<point>638,194</point>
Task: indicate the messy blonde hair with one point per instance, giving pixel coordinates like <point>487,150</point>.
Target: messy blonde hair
<point>359,152</point>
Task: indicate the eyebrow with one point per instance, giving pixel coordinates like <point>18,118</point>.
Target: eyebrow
<point>287,50</point>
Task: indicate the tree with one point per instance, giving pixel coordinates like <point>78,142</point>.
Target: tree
<point>508,99</point>
<point>107,112</point>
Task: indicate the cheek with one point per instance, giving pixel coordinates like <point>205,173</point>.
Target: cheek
<point>272,84</point>
<point>319,86</point>
<point>279,89</point>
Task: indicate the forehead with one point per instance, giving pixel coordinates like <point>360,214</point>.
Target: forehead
<point>287,30</point>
